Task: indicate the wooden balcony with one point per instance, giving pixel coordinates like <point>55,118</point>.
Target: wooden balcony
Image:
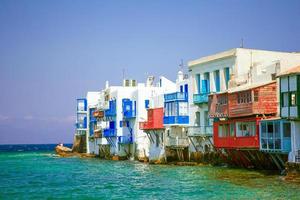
<point>244,101</point>
<point>155,120</point>
<point>218,105</point>
<point>98,114</point>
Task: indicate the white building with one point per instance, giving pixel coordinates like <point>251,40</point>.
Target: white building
<point>216,73</point>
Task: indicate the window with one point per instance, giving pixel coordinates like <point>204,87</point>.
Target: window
<point>287,129</point>
<point>223,130</point>
<point>245,129</point>
<point>186,88</point>
<point>146,103</point>
<point>285,99</point>
<point>227,76</point>
<point>181,88</point>
<point>183,108</point>
<point>232,129</point>
<point>255,96</point>
<point>222,99</point>
<point>244,97</point>
<point>217,80</point>
<point>293,99</point>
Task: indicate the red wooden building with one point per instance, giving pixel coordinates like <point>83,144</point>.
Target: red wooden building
<point>237,114</point>
<point>244,101</point>
<point>155,120</point>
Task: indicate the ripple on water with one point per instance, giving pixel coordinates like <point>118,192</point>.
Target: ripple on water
<point>37,175</point>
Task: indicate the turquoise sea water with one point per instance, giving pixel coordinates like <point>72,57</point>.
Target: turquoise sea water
<point>39,174</point>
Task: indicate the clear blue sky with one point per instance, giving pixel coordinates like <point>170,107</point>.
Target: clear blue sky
<point>52,52</point>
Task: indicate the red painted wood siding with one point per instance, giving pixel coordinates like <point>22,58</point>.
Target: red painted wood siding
<point>155,119</point>
<point>266,104</point>
<point>215,109</point>
<point>234,142</point>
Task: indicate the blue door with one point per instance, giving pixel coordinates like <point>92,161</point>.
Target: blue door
<point>217,80</point>
<point>204,89</point>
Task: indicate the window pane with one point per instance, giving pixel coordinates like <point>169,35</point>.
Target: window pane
<point>277,129</point>
<point>277,144</point>
<point>287,129</point>
<point>232,129</point>
<point>264,143</point>
<point>293,99</point>
<point>285,99</point>
<point>263,130</point>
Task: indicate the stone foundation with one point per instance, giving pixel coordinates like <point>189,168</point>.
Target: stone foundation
<point>293,171</point>
<point>79,144</point>
<point>213,158</point>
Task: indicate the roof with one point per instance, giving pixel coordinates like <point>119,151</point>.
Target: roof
<point>228,53</point>
<point>248,87</point>
<point>220,55</point>
<point>244,87</point>
<point>294,70</point>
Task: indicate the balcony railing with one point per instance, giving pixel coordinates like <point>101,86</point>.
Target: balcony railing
<point>200,131</point>
<point>98,114</point>
<point>129,114</point>
<point>110,113</point>
<point>177,142</point>
<point>125,140</point>
<point>276,144</point>
<point>176,119</point>
<point>200,98</point>
<point>176,96</point>
<point>109,132</point>
<point>150,126</point>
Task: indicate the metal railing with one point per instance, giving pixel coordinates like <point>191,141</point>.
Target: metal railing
<point>200,98</point>
<point>109,132</point>
<point>125,139</point>
<point>176,96</point>
<point>177,141</point>
<point>200,131</point>
<point>176,119</point>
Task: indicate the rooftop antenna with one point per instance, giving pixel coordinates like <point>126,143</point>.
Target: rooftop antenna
<point>242,43</point>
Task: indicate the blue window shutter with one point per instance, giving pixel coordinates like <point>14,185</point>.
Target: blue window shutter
<point>181,88</point>
<point>217,81</point>
<point>146,103</point>
<point>186,88</point>
<point>204,87</point>
<point>227,76</point>
<point>112,125</point>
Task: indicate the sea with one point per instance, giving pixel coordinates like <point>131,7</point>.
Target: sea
<point>36,172</point>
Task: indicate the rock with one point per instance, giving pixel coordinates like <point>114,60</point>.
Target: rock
<point>63,151</point>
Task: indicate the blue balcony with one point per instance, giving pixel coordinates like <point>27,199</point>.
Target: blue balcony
<point>125,140</point>
<point>275,136</point>
<point>108,132</point>
<point>81,105</point>
<point>112,111</point>
<point>176,96</point>
<point>129,114</point>
<point>200,98</point>
<point>129,108</point>
<point>81,121</point>
<point>169,120</point>
<point>81,125</point>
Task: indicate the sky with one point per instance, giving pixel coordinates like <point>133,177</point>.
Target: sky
<point>54,51</point>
